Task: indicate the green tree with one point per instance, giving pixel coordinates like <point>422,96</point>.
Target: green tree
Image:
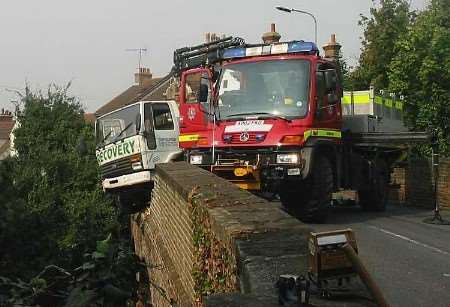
<point>53,209</point>
<point>344,70</point>
<point>421,72</point>
<point>387,22</point>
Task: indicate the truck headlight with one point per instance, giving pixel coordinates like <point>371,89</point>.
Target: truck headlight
<point>287,158</point>
<point>136,162</point>
<point>136,165</point>
<point>196,159</point>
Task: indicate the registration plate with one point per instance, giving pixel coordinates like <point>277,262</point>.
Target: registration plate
<point>255,122</point>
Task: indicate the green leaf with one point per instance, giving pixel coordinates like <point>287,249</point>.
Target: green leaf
<point>103,246</point>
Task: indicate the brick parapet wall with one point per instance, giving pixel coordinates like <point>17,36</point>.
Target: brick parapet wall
<point>202,235</point>
<point>158,247</point>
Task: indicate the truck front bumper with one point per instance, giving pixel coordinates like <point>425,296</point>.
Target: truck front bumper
<point>125,181</point>
<point>252,170</point>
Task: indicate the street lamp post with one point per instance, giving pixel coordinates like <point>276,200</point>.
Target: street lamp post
<point>288,10</point>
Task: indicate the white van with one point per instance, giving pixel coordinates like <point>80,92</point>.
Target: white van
<point>130,141</point>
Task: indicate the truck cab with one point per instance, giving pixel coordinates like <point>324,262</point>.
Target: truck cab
<point>256,116</point>
<point>130,141</point>
<point>266,103</point>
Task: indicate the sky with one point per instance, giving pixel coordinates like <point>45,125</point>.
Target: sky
<point>84,42</point>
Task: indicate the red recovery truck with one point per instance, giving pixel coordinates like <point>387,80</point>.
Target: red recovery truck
<point>268,117</point>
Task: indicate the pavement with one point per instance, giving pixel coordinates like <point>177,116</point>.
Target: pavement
<point>409,260</point>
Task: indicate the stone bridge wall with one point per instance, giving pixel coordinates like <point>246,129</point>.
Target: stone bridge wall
<point>413,184</point>
<point>201,235</point>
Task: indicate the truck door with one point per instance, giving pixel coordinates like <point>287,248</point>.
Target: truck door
<point>195,98</point>
<point>328,97</point>
<point>161,132</point>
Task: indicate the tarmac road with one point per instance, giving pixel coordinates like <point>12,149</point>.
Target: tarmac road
<point>410,260</point>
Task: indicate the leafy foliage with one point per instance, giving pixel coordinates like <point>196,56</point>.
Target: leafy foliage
<point>52,207</point>
<point>386,24</point>
<point>421,72</point>
<point>344,70</point>
<point>102,280</point>
<point>214,270</point>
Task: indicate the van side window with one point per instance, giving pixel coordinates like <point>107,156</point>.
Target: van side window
<point>162,117</point>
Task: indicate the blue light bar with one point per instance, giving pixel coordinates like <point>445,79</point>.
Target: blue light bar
<point>281,48</point>
<point>301,46</point>
<point>234,53</point>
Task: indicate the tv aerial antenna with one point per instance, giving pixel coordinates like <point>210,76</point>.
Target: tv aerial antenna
<point>140,51</point>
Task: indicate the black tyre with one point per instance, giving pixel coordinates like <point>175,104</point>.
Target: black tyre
<point>310,200</point>
<point>127,204</point>
<point>374,195</point>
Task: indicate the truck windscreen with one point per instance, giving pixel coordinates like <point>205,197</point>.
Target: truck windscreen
<point>117,125</point>
<point>278,87</point>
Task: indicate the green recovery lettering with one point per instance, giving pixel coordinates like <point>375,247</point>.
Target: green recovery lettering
<point>116,151</point>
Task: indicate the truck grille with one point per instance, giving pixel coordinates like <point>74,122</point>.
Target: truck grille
<point>116,168</point>
<point>250,138</point>
<point>234,159</point>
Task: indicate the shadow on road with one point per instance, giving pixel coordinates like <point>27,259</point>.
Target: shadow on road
<point>353,214</point>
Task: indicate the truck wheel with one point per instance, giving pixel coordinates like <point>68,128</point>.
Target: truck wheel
<point>128,205</point>
<point>311,201</point>
<point>374,196</point>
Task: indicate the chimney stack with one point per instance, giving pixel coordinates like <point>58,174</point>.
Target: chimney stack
<point>143,77</point>
<point>6,115</point>
<point>332,48</point>
<point>212,37</point>
<point>271,37</point>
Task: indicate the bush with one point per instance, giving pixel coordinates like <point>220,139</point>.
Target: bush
<point>52,207</point>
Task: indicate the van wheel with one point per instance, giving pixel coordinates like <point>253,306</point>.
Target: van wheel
<point>374,195</point>
<point>128,205</point>
<point>310,200</point>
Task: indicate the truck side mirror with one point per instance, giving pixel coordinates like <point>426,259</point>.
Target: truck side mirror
<point>320,93</point>
<point>216,73</point>
<point>332,98</point>
<point>151,140</point>
<point>203,93</point>
<point>330,80</point>
<point>138,122</point>
<point>149,134</point>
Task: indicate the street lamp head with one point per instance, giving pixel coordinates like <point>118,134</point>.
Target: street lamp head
<point>283,9</point>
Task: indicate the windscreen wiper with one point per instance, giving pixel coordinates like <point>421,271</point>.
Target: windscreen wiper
<point>268,115</point>
<point>122,131</point>
<point>102,142</point>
